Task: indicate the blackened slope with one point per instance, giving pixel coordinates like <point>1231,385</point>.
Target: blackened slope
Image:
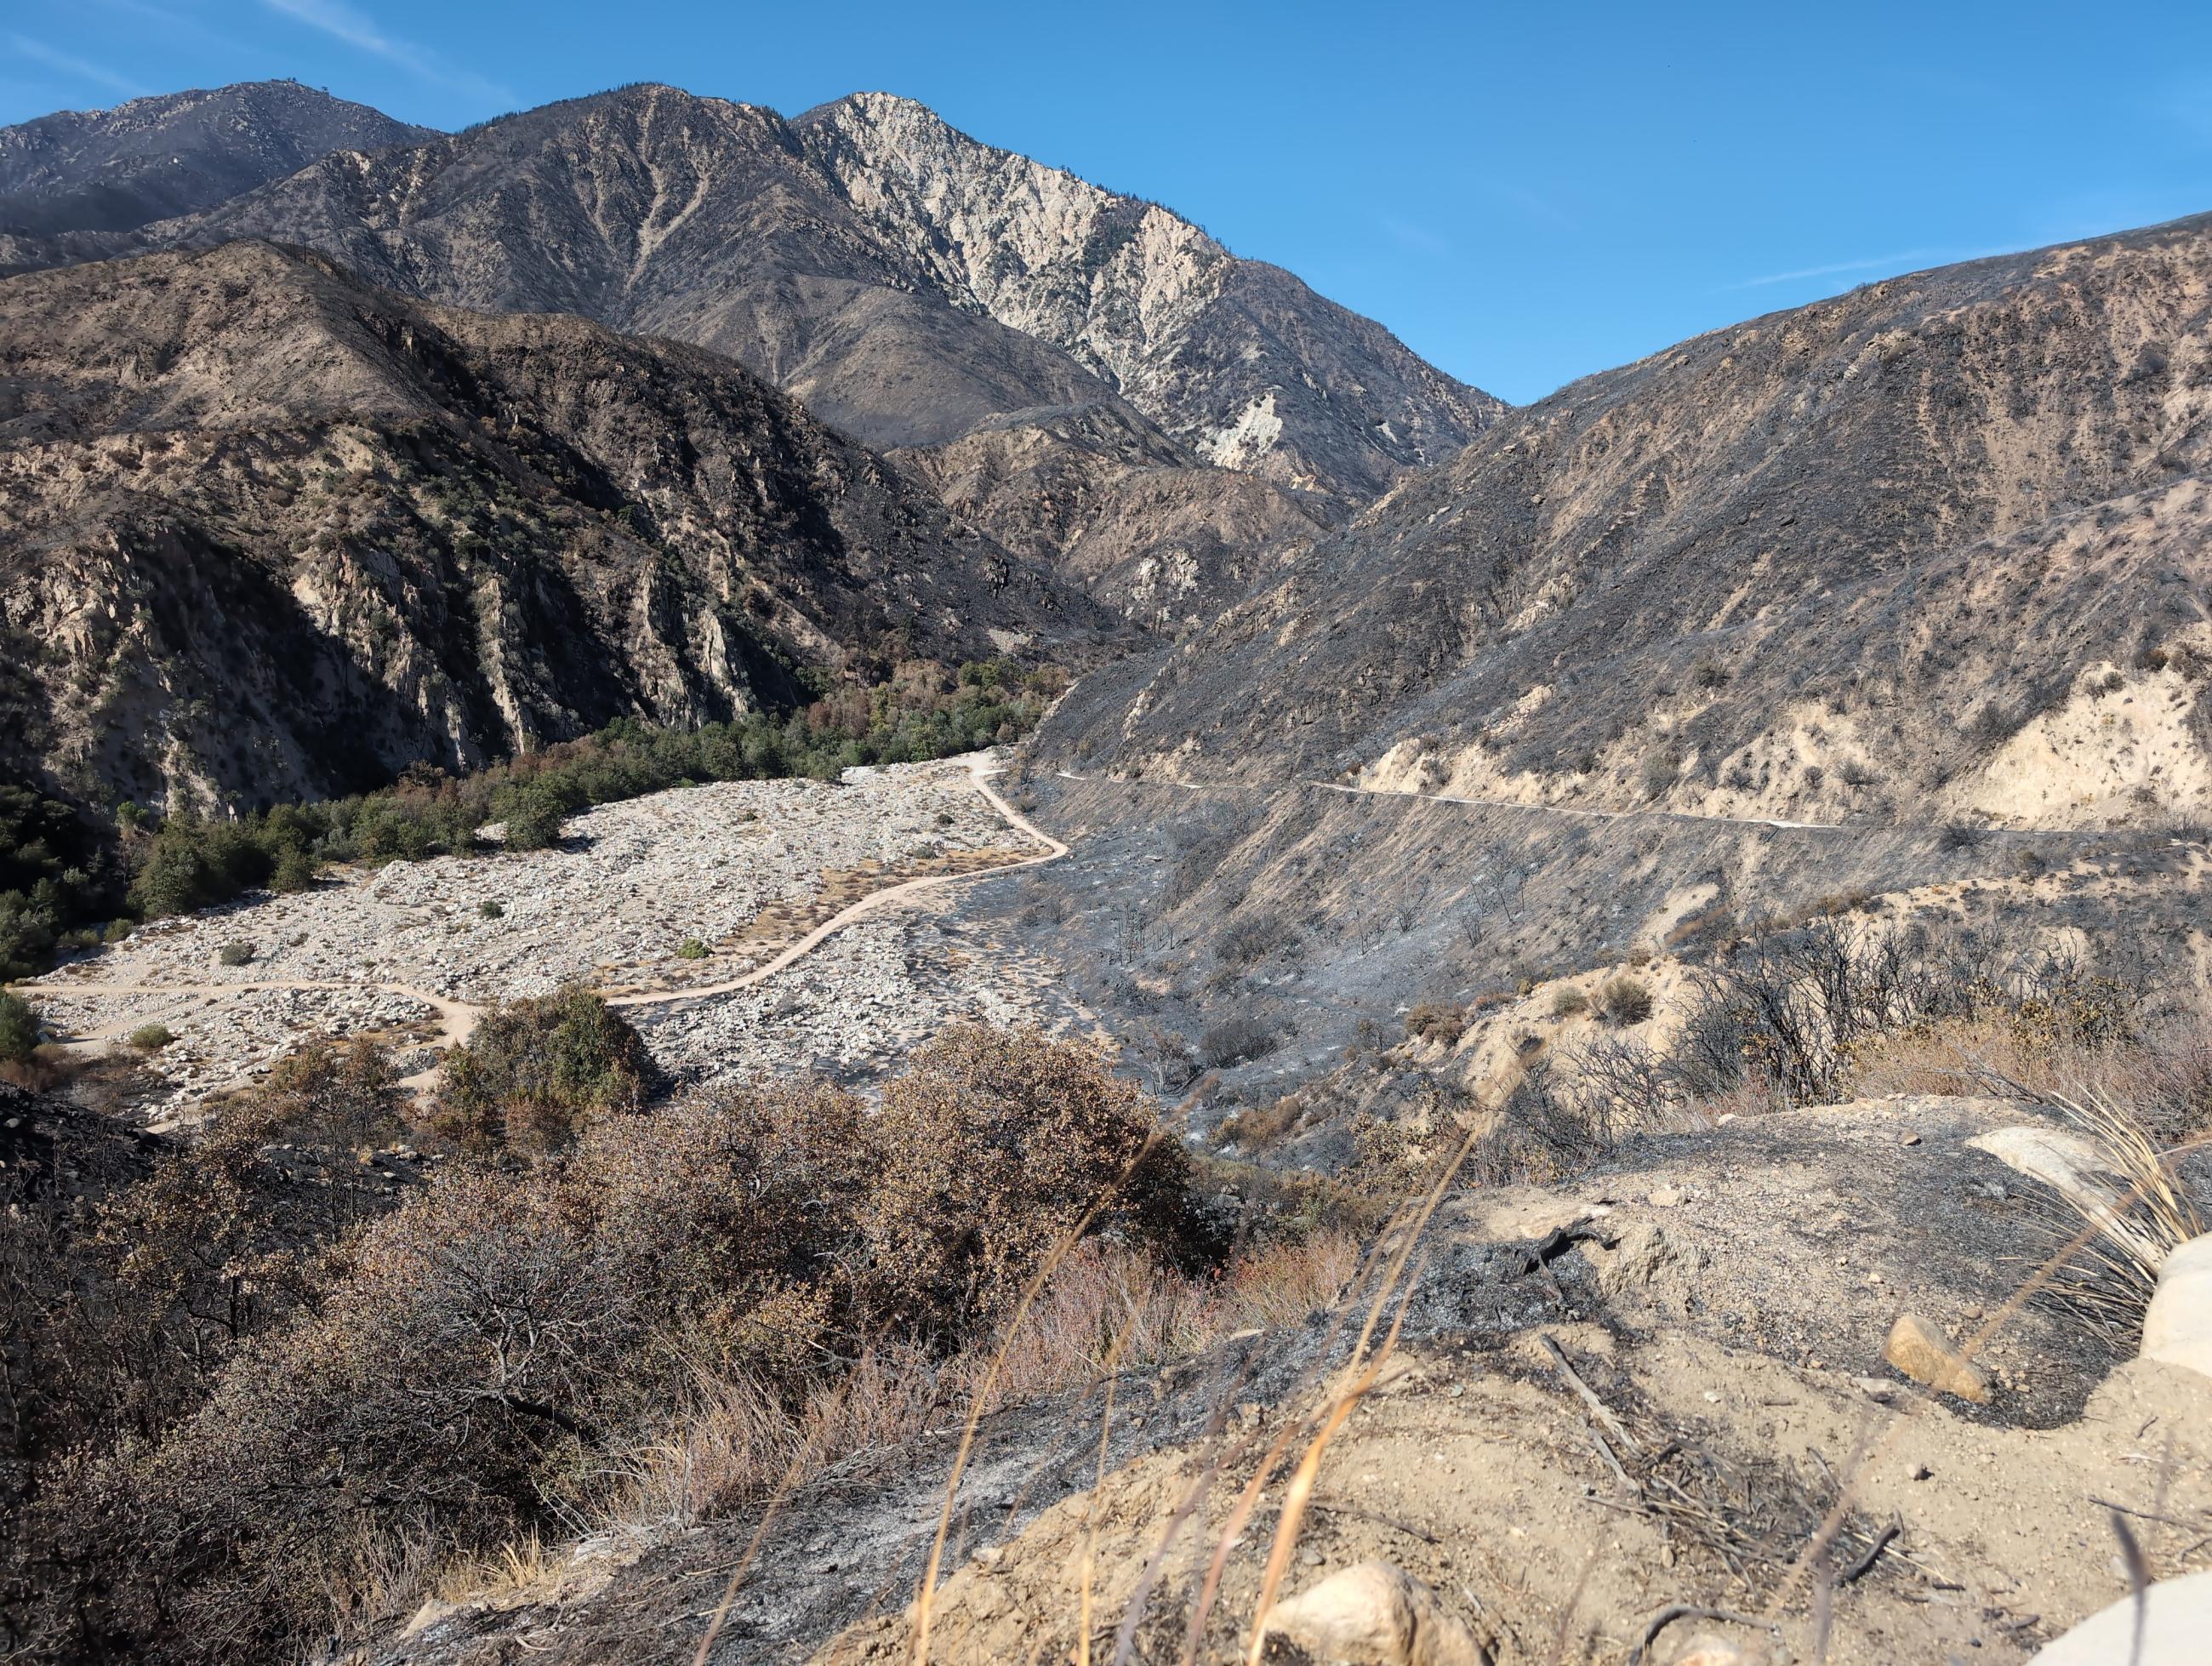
<point>1889,536</point>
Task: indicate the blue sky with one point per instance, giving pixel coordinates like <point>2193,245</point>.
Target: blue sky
<point>1524,193</point>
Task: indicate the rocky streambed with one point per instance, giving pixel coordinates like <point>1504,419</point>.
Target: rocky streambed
<point>689,889</point>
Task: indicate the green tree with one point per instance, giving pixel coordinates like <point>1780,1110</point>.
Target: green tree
<point>19,1029</point>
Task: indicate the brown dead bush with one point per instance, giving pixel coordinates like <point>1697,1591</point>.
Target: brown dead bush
<point>995,1146</point>
<point>480,1364</point>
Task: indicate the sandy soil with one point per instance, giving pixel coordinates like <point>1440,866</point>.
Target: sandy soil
<point>1716,1394</point>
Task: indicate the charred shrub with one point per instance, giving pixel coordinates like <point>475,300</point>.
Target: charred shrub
<point>1253,939</point>
<point>1237,1041</point>
<point>1441,1022</point>
<point>1622,1000</point>
<point>996,1146</point>
<point>482,1358</point>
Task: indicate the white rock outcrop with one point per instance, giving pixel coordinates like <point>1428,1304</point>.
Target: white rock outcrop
<point>2177,1327</point>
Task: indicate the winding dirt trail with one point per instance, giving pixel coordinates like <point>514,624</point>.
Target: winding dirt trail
<point>873,902</point>
<point>457,1019</point>
<point>1557,809</point>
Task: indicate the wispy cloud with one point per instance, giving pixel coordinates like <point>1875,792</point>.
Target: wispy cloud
<point>1904,260</point>
<point>362,32</point>
<point>1535,206</point>
<point>75,68</point>
<point>1419,238</point>
<point>1836,268</point>
<point>176,25</point>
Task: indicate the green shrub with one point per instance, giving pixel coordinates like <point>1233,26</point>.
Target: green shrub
<point>193,863</point>
<point>236,954</point>
<point>535,1071</point>
<point>54,875</point>
<point>19,1029</point>
<point>691,949</point>
<point>295,870</point>
<point>488,909</point>
<point>534,816</point>
<point>152,1038</point>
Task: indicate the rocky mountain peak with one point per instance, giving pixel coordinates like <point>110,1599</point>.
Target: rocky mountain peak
<point>1110,278</point>
<point>1144,298</point>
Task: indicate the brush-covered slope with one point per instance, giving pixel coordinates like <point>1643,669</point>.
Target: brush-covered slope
<point>266,531</point>
<point>913,288</point>
<point>154,158</point>
<point>1119,511</point>
<point>1938,546</point>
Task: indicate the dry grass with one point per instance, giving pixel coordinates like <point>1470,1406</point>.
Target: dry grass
<point>2146,1216</point>
<point>1104,1307</point>
<point>1258,1127</point>
<point>522,1566</point>
<point>1795,1529</point>
<point>2164,1075</point>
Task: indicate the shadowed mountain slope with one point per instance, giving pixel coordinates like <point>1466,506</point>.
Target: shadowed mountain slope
<point>154,158</point>
<point>1938,546</point>
<point>269,534</point>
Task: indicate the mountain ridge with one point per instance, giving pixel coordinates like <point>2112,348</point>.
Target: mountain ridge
<point>908,284</point>
<point>1752,573</point>
<point>153,158</point>
<point>271,533</point>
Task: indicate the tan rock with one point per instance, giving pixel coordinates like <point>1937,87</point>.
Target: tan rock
<point>1917,1348</point>
<point>1374,1614</point>
<point>2177,1327</point>
<point>1710,1651</point>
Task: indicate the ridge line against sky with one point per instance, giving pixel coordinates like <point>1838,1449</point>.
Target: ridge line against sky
<point>1524,195</point>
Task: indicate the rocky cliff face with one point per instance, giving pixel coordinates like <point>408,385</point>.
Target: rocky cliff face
<point>1239,361</point>
<point>154,158</point>
<point>1935,548</point>
<point>1119,510</point>
<point>265,532</point>
<point>916,289</point>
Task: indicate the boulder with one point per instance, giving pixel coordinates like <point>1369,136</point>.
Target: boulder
<point>2063,1161</point>
<point>1661,1266</point>
<point>1374,1614</point>
<point>2177,1617</point>
<point>1917,1348</point>
<point>2177,1327</point>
